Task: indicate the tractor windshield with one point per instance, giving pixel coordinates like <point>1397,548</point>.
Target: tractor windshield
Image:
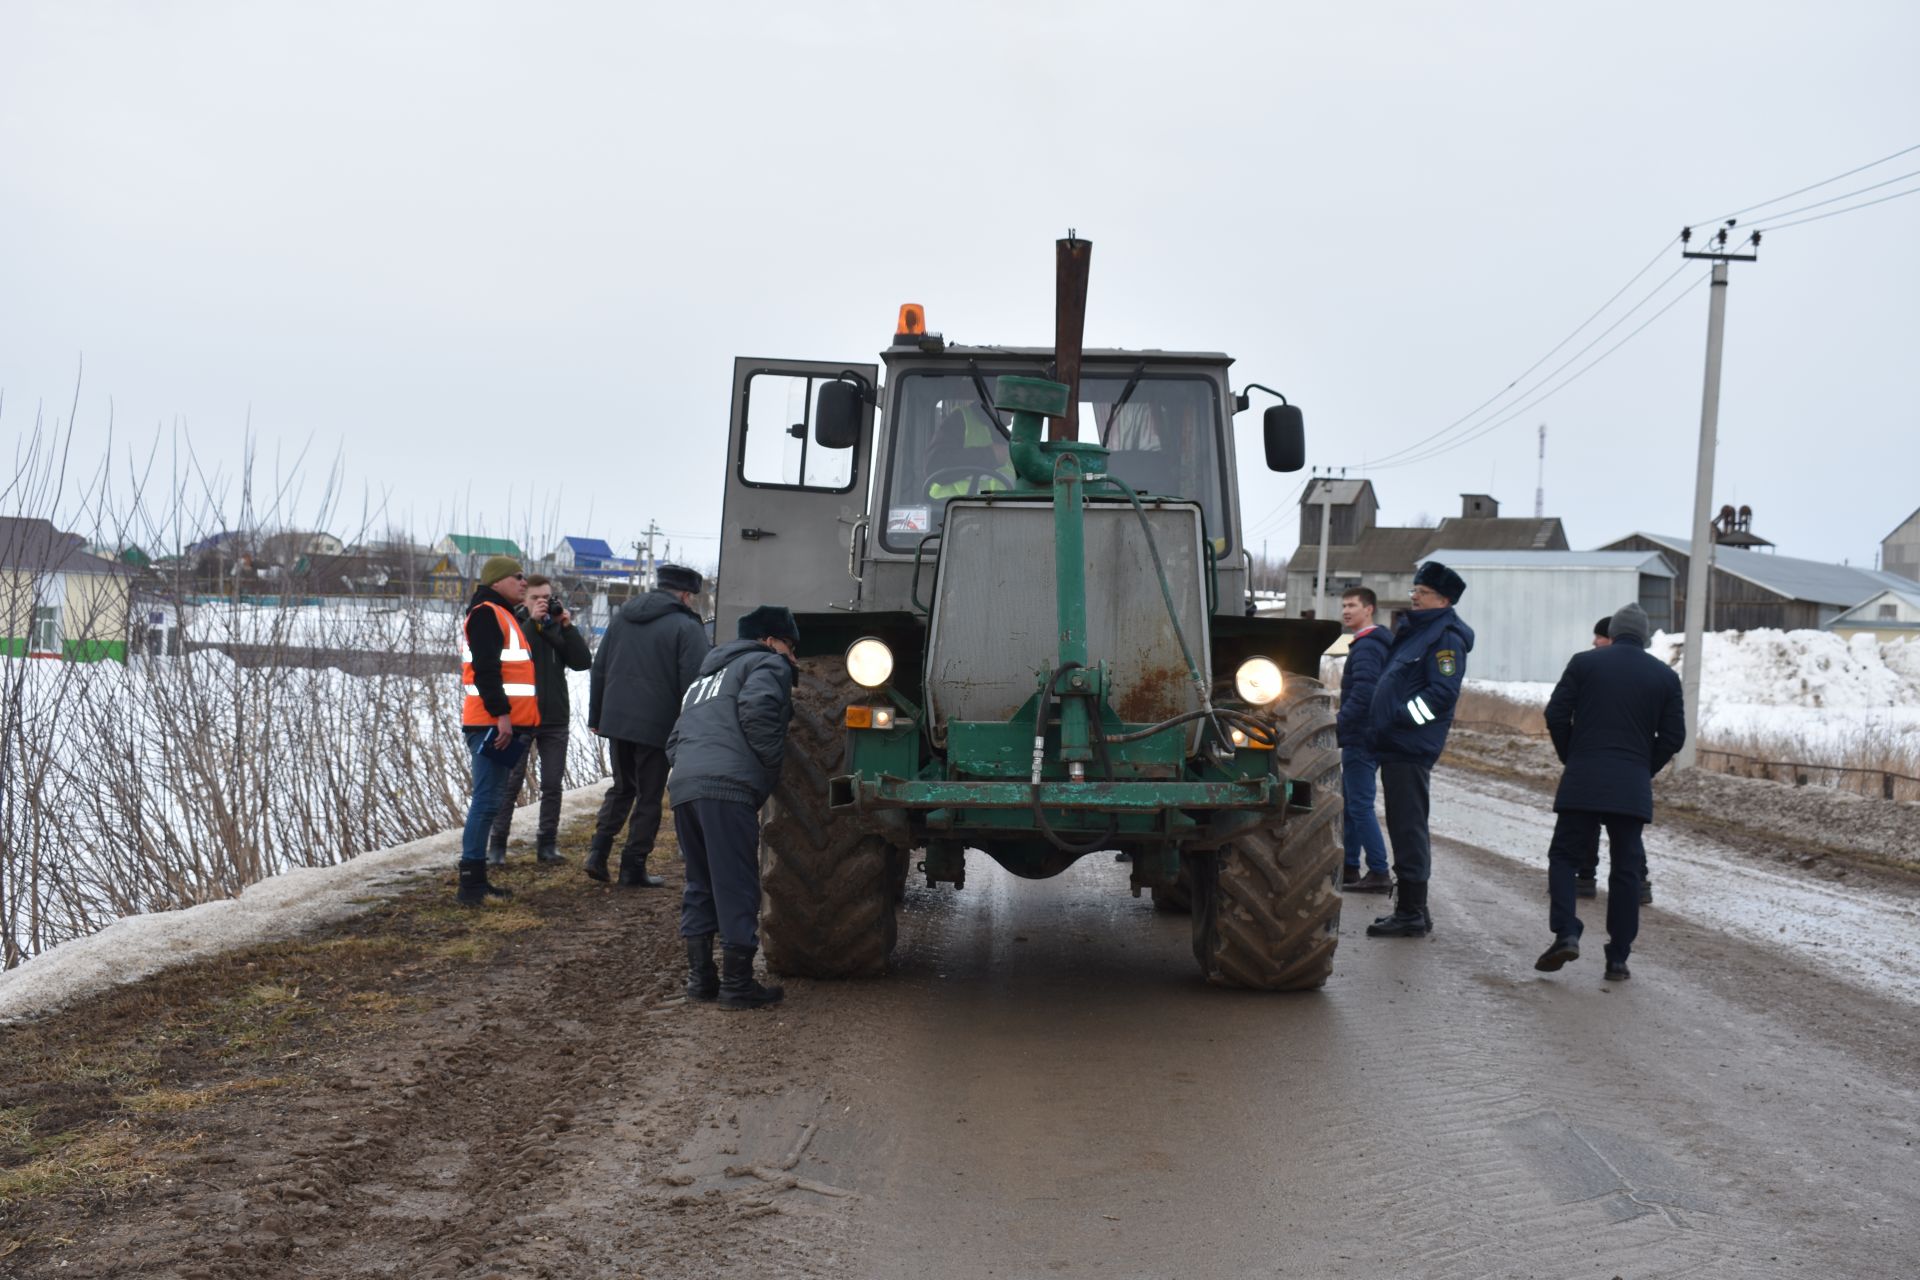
<point>1163,429</point>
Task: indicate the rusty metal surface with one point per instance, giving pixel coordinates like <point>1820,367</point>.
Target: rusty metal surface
<point>1073,259</point>
<point>994,622</point>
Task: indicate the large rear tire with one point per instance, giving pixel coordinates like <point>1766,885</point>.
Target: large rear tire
<point>1266,907</point>
<point>829,881</point>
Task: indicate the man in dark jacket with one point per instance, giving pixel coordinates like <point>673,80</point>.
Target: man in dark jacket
<point>727,751</point>
<point>1617,716</point>
<point>557,648</point>
<point>1366,658</point>
<point>1411,713</point>
<point>651,652</point>
<point>1586,877</point>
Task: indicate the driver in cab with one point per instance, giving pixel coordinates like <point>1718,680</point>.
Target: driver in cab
<point>968,454</point>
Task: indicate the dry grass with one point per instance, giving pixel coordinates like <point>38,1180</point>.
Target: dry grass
<point>175,1101</point>
<point>1491,713</point>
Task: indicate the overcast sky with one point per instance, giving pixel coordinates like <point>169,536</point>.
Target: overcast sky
<point>501,256</point>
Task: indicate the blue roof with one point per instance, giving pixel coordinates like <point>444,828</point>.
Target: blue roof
<point>595,547</point>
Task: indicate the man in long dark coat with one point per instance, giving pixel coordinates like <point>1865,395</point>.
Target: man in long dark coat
<point>1617,717</point>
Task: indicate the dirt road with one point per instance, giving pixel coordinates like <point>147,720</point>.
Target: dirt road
<point>1045,1089</point>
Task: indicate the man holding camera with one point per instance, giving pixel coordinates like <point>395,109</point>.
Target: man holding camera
<point>557,647</point>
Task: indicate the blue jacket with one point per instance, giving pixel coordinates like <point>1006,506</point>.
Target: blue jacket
<point>1616,717</point>
<point>731,737</point>
<point>1366,659</point>
<point>1413,703</point>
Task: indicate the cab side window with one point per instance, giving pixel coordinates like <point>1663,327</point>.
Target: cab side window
<point>778,448</point>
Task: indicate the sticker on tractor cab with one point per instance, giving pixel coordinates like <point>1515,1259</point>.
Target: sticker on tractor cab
<point>1447,661</point>
<point>909,519</point>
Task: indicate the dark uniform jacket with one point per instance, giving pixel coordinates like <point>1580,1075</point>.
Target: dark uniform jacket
<point>731,738</point>
<point>1413,703</point>
<point>556,650</point>
<point>650,654</point>
<point>1366,658</point>
<point>1616,717</point>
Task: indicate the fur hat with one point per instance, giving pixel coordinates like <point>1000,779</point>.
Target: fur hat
<point>1629,623</point>
<point>673,577</point>
<point>770,622</point>
<point>1442,579</point>
<point>496,568</point>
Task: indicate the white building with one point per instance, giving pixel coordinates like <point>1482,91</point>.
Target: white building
<point>1533,610</point>
<point>1891,615</point>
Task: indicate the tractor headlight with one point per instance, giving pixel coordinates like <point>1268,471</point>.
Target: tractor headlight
<point>870,662</point>
<point>1258,680</point>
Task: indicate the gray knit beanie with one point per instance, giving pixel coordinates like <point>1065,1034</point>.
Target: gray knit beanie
<point>1629,623</point>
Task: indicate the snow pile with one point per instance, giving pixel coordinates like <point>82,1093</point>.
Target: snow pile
<point>1813,695</point>
<point>411,627</point>
<point>275,908</point>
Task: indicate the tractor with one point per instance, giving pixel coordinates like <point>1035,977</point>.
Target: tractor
<point>1027,630</point>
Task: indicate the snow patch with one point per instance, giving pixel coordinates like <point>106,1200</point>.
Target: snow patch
<point>280,906</point>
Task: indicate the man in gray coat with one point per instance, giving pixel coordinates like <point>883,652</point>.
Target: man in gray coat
<point>652,651</point>
<point>727,751</point>
<point>1616,718</point>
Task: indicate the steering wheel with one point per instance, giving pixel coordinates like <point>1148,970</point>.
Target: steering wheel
<point>970,473</point>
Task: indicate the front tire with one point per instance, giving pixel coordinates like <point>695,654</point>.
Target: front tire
<point>1266,907</point>
<point>829,882</point>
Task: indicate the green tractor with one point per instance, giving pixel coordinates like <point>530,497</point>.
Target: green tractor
<point>1026,630</point>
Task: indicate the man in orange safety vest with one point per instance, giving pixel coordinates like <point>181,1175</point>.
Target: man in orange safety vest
<point>497,710</point>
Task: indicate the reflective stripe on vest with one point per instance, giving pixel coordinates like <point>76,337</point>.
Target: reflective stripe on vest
<point>516,673</point>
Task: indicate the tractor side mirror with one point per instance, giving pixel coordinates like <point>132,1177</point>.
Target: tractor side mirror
<point>1286,438</point>
<point>836,416</point>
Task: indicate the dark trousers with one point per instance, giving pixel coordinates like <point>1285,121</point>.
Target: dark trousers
<point>1408,790</point>
<point>1361,831</point>
<point>1588,863</point>
<point>550,742</point>
<point>720,840</point>
<point>1574,832</point>
<point>639,778</point>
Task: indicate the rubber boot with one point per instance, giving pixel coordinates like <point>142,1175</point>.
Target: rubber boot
<point>548,852</point>
<point>634,873</point>
<point>703,980</point>
<point>1409,918</point>
<point>473,883</point>
<point>596,866</point>
<point>738,990</point>
<point>497,852</point>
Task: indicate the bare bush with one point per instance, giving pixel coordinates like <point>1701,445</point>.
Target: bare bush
<point>253,730</point>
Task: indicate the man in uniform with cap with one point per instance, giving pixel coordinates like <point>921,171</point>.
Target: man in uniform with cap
<point>498,712</point>
<point>1411,714</point>
<point>727,751</point>
<point>652,651</point>
<point>1617,717</point>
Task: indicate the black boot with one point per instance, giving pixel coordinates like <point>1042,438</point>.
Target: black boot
<point>474,888</point>
<point>548,852</point>
<point>1409,918</point>
<point>1565,948</point>
<point>497,852</point>
<point>738,990</point>
<point>1646,893</point>
<point>596,867</point>
<point>1586,885</point>
<point>634,873</point>
<point>703,980</point>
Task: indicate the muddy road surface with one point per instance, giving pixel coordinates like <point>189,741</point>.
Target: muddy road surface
<point>1045,1088</point>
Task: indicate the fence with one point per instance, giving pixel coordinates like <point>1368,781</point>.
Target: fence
<point>1872,782</point>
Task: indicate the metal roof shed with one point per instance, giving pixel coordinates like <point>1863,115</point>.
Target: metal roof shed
<point>1533,610</point>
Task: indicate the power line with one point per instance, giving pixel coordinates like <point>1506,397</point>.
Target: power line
<point>1818,204</point>
<point>1522,410</point>
<point>1834,213</point>
<point>1471,430</point>
<point>1524,373</point>
<point>1824,182</point>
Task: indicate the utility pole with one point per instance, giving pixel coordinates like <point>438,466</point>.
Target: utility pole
<point>1326,528</point>
<point>1540,478</point>
<point>1700,559</point>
